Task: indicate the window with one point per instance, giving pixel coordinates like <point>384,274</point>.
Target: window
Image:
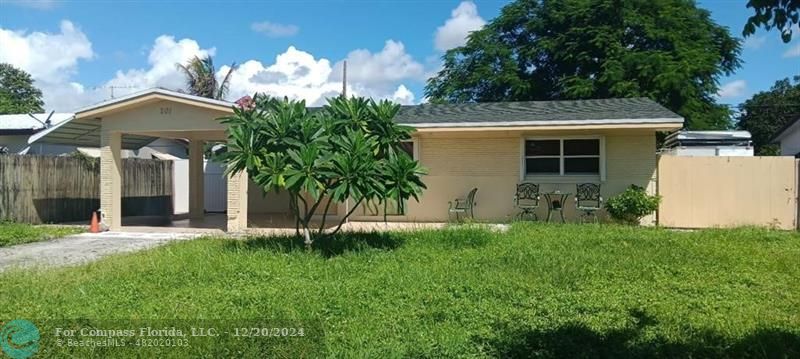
<point>562,157</point>
<point>408,147</point>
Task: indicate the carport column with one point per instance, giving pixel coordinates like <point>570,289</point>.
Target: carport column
<point>237,202</point>
<point>196,175</point>
<point>111,179</point>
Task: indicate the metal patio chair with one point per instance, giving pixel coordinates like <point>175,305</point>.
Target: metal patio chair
<point>527,199</point>
<point>588,200</point>
<point>465,206</point>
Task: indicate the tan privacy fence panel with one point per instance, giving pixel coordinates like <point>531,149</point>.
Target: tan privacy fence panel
<point>49,189</point>
<point>702,192</point>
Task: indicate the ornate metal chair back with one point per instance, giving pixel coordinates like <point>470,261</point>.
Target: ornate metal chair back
<point>471,198</point>
<point>588,195</point>
<point>527,194</point>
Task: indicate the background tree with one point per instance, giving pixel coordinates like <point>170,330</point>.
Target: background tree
<point>779,14</point>
<point>17,93</point>
<point>350,149</point>
<point>768,112</point>
<point>201,79</point>
<point>667,50</point>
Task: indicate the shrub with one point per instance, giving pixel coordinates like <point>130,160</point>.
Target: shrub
<point>633,204</point>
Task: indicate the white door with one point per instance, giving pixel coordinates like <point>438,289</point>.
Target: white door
<point>215,187</point>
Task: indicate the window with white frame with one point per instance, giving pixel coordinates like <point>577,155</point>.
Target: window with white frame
<point>562,157</point>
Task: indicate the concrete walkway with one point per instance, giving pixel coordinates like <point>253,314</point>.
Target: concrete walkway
<point>83,248</point>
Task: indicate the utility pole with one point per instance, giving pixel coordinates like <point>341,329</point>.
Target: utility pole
<point>344,79</point>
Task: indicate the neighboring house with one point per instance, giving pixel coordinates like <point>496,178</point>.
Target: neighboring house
<point>789,139</point>
<point>490,146</point>
<point>708,143</point>
<point>15,130</point>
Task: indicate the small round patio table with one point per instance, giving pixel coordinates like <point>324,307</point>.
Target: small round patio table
<point>555,203</point>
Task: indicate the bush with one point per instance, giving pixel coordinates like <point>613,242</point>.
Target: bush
<point>633,204</point>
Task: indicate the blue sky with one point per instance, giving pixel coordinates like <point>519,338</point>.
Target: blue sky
<point>77,50</point>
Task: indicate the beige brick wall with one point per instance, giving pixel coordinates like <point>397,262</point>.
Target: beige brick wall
<point>111,179</point>
<point>237,202</point>
<point>492,162</point>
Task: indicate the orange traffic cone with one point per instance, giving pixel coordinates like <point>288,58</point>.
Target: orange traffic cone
<point>95,226</point>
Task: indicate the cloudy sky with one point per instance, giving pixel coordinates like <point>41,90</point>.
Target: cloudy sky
<point>77,51</point>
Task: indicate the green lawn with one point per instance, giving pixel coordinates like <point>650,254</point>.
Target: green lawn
<point>537,290</point>
<point>17,233</point>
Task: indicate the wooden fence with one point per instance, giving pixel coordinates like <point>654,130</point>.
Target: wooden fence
<point>702,192</point>
<point>49,189</point>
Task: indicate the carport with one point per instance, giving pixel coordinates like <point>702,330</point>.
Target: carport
<point>131,122</point>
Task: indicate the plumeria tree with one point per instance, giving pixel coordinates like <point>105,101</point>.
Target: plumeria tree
<point>350,149</point>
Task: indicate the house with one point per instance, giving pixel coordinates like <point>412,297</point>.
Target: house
<point>708,143</point>
<point>491,146</point>
<point>16,129</point>
<point>789,139</point>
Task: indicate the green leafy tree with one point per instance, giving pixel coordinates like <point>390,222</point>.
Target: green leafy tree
<point>667,50</point>
<point>17,92</point>
<point>769,14</point>
<point>201,79</point>
<point>349,149</point>
<point>768,112</point>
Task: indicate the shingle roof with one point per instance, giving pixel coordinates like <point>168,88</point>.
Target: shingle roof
<point>623,110</point>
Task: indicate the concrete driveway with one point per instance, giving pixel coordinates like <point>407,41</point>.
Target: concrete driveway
<point>83,248</point>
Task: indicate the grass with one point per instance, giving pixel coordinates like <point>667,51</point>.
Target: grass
<point>17,233</point>
<point>536,291</point>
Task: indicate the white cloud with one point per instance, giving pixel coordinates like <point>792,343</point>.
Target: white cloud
<point>754,42</point>
<point>295,74</point>
<point>463,20</point>
<point>379,69</point>
<point>299,75</point>
<point>793,51</point>
<point>403,96</point>
<point>46,56</point>
<point>34,4</point>
<point>163,58</point>
<point>53,59</point>
<point>272,29</point>
<point>732,89</point>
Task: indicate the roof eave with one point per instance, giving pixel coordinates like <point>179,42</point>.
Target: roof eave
<point>656,124</point>
<point>152,94</point>
<point>785,131</point>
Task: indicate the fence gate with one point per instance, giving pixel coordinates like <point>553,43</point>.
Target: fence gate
<point>215,187</point>
<point>702,192</point>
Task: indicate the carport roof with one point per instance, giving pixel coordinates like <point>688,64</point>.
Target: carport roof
<point>157,93</point>
<point>84,133</point>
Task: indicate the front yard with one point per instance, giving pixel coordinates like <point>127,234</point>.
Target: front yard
<point>17,233</point>
<point>537,290</point>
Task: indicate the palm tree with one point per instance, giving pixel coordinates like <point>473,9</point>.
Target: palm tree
<point>201,78</point>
